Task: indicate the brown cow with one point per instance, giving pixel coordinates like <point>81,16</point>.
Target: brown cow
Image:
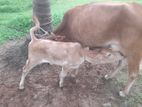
<point>115,25</point>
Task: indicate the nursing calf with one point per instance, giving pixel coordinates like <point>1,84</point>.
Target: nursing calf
<point>68,55</point>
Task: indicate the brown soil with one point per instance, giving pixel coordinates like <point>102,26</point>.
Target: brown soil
<point>88,89</point>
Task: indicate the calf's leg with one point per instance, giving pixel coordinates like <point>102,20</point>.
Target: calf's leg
<point>26,69</point>
<point>64,72</point>
<point>119,67</point>
<point>62,76</point>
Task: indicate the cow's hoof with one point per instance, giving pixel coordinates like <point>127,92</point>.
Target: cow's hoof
<point>122,94</point>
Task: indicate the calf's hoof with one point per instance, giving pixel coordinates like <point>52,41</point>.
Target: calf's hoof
<point>106,77</point>
<point>122,94</point>
<point>21,87</point>
<point>60,85</point>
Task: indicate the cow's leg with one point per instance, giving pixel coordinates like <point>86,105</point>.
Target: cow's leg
<point>133,69</point>
<point>28,66</point>
<point>119,67</point>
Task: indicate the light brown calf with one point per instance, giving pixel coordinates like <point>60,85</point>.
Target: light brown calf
<point>69,55</point>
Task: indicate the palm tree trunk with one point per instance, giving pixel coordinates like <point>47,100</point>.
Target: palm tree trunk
<point>41,8</point>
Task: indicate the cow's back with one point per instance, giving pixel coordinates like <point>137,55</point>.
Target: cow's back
<point>96,23</point>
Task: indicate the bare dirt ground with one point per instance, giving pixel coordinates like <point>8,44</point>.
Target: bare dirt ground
<point>88,89</point>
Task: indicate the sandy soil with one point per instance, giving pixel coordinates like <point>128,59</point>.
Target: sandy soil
<point>88,89</point>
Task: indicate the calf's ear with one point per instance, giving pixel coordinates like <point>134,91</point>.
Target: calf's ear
<point>86,48</point>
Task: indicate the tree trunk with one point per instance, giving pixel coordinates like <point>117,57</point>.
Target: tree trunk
<point>41,8</point>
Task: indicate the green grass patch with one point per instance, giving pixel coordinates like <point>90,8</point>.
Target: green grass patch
<point>7,9</point>
<point>21,23</point>
<point>15,15</point>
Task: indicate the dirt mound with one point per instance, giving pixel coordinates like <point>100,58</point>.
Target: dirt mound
<point>88,89</point>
